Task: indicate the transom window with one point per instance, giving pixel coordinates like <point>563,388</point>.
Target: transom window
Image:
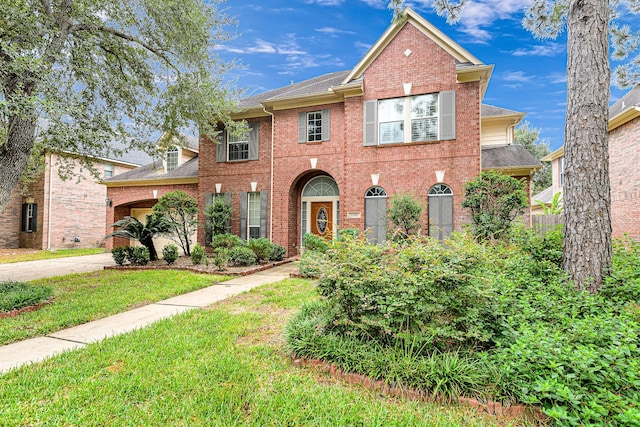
<point>375,192</point>
<point>440,190</point>
<point>409,119</point>
<point>238,147</point>
<point>172,159</point>
<point>314,126</point>
<point>321,186</point>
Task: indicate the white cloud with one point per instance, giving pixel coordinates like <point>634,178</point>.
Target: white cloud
<point>478,16</point>
<point>550,49</point>
<point>378,4</point>
<point>516,76</point>
<point>333,30</point>
<point>325,2</point>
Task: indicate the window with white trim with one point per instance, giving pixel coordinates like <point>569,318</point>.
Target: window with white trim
<point>108,170</point>
<point>29,217</point>
<point>253,215</point>
<point>238,147</point>
<point>314,126</point>
<point>172,157</point>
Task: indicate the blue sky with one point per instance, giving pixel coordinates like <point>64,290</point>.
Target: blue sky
<point>281,41</point>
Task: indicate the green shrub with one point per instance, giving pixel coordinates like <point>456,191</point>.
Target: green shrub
<point>405,215</point>
<point>221,258</point>
<point>261,248</point>
<point>242,256</point>
<point>170,253</point>
<point>277,252</point>
<point>120,254</point>
<point>312,242</point>
<point>623,284</point>
<point>16,295</point>
<point>226,241</point>
<point>198,256</point>
<point>352,233</point>
<point>138,255</point>
<point>218,215</point>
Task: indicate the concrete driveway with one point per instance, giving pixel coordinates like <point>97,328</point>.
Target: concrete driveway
<point>31,270</point>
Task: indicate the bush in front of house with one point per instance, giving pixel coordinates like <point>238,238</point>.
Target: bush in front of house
<point>412,314</point>
<point>221,258</point>
<point>17,295</point>
<point>170,253</point>
<point>261,248</point>
<point>312,242</point>
<point>120,255</point>
<point>138,255</point>
<point>198,255</point>
<point>277,252</point>
<point>242,256</point>
<point>226,241</point>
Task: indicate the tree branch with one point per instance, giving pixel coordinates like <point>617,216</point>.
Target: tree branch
<point>104,29</point>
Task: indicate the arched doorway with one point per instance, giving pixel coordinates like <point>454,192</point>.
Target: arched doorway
<point>320,207</point>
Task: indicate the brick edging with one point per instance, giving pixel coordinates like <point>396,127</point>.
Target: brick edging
<point>29,308</point>
<point>493,408</point>
<point>196,270</point>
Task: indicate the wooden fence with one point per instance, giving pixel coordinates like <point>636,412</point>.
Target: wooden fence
<point>544,223</point>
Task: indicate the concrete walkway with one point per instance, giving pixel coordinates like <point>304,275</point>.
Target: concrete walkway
<point>31,270</point>
<point>37,349</point>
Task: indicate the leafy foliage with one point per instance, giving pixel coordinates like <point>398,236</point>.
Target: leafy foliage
<point>227,241</point>
<point>261,248</point>
<point>218,216</point>
<point>556,207</point>
<point>313,242</point>
<point>170,253</point>
<point>132,229</point>
<point>180,212</point>
<point>242,256</point>
<point>16,295</point>
<point>138,255</point>
<point>404,214</point>
<point>198,255</point>
<point>495,200</point>
<point>221,258</point>
<point>529,137</point>
<point>119,254</point>
<point>277,252</point>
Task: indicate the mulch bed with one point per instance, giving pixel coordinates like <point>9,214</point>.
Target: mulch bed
<point>184,263</point>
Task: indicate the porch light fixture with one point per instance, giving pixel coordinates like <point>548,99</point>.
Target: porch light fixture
<point>155,194</point>
<point>407,88</point>
<point>440,176</point>
<point>218,187</point>
<point>108,202</point>
<point>254,186</point>
<point>314,163</point>
<point>375,178</point>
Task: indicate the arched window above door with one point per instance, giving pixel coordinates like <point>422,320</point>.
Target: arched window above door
<point>321,186</point>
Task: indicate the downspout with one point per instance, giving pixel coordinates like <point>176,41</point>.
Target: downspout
<point>271,174</point>
<point>49,207</point>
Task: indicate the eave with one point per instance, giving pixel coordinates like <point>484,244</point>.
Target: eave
<point>155,181</point>
<point>624,117</point>
<point>555,155</point>
<point>517,171</point>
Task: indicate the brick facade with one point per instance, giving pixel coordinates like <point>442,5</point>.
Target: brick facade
<point>624,157</point>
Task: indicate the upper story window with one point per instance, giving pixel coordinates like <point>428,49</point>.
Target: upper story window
<point>314,126</point>
<point>234,148</point>
<point>420,118</point>
<point>238,147</point>
<point>172,156</point>
<point>108,170</point>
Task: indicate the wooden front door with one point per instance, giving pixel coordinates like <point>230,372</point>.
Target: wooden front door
<point>322,219</point>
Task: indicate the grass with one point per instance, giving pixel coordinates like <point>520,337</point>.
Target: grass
<point>80,298</point>
<point>16,295</point>
<point>40,255</point>
<point>219,367</point>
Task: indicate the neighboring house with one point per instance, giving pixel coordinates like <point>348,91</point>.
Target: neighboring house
<point>624,158</point>
<point>330,152</point>
<point>54,213</point>
<point>135,192</point>
<point>557,181</point>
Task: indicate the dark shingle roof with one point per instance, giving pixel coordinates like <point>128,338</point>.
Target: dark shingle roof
<point>508,156</point>
<point>155,170</point>
<point>631,98</point>
<point>493,111</point>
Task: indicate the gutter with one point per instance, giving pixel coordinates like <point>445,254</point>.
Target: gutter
<point>271,173</point>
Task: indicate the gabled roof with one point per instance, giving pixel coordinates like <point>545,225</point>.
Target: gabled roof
<point>545,196</point>
<point>153,172</point>
<point>513,158</point>
<point>491,111</point>
<point>625,109</point>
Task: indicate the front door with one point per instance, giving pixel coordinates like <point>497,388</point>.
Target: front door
<point>322,219</point>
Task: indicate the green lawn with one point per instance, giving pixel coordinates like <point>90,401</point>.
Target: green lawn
<point>60,253</point>
<point>223,366</point>
<point>80,298</point>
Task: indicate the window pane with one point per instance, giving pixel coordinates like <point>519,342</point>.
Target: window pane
<point>314,126</point>
<point>424,129</point>
<point>390,110</point>
<point>424,106</point>
<point>239,147</point>
<point>254,210</point>
<point>172,159</point>
<point>391,132</point>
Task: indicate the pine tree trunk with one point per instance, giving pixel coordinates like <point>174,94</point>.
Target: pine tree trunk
<point>14,154</point>
<point>587,220</point>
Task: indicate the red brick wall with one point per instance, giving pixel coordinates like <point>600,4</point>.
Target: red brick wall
<point>125,198</point>
<point>624,158</point>
<point>406,168</point>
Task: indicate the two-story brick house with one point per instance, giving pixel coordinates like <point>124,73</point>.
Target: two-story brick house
<point>330,151</point>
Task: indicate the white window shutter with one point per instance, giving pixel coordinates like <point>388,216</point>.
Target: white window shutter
<point>447,115</point>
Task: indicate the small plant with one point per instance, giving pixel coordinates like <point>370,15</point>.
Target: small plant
<point>277,252</point>
<point>198,255</point>
<point>226,241</point>
<point>312,242</point>
<point>404,214</point>
<point>170,253</point>
<point>138,255</point>
<point>16,295</point>
<point>261,247</point>
<point>221,258</point>
<point>120,255</point>
<point>556,207</point>
<point>242,256</point>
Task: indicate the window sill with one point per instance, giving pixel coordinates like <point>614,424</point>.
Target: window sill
<point>403,144</point>
<point>313,142</point>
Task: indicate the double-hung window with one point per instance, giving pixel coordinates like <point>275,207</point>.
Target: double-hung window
<point>419,118</point>
<point>108,170</point>
<point>238,147</point>
<point>235,148</point>
<point>253,216</point>
<point>172,156</point>
<point>314,126</point>
<point>29,217</point>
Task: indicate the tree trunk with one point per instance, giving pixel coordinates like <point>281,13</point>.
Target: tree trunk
<point>587,221</point>
<point>14,154</point>
<point>147,242</point>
